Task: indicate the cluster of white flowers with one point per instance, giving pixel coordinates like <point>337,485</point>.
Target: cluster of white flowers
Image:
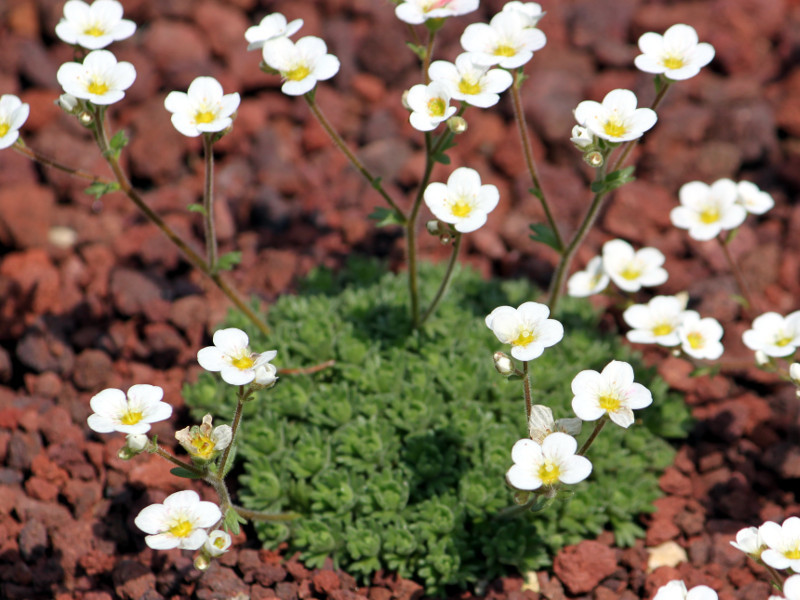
<point>664,320</point>
<point>707,210</point>
<point>629,269</point>
<point>777,546</point>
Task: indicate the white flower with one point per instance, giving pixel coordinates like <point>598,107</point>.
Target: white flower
<point>581,137</point>
<point>617,119</point>
<point>676,54</point>
<point>178,523</point>
<point>773,334</point>
<point>783,544</point>
<point>467,81</point>
<point>13,114</point>
<point>231,356</point>
<point>656,322</point>
<point>100,79</point>
<point>700,338</point>
<point>631,270</point>
<point>706,210</point>
<point>753,199</point>
<point>748,540</point>
<point>430,105</point>
<point>611,392</point>
<point>113,411</point>
<point>204,442</point>
<point>94,26</point>
<point>529,12</point>
<point>526,328</point>
<point>300,64</point>
<point>271,27</point>
<point>416,12</point>
<point>266,375</point>
<point>504,41</point>
<point>217,543</point>
<point>589,282</point>
<point>791,589</point>
<point>463,201</point>
<point>203,109</point>
<point>676,590</point>
<point>545,464</point>
<point>541,424</point>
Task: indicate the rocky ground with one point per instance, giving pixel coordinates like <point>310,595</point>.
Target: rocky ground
<point>93,296</point>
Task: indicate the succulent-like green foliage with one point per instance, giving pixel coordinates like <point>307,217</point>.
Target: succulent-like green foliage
<point>396,455</point>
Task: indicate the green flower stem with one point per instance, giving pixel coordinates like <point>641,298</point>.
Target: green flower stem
<point>445,280</point>
<point>600,424</point>
<point>426,63</point>
<point>208,203</point>
<point>776,579</point>
<point>375,182</point>
<point>744,290</point>
<point>259,515</point>
<point>526,386</point>
<point>20,147</point>
<point>175,461</point>
<point>522,127</point>
<point>237,418</point>
<point>101,137</point>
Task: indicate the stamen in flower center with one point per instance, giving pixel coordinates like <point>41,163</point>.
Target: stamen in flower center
<point>94,30</point>
<point>97,86</point>
<point>298,73</point>
<point>219,542</point>
<point>672,62</point>
<point>469,86</point>
<point>525,337</point>
<point>131,417</point>
<point>709,215</point>
<point>783,339</point>
<point>662,329</point>
<point>436,107</point>
<point>460,208</point>
<point>792,554</point>
<point>549,472</point>
<point>203,116</point>
<point>609,403</point>
<point>243,363</point>
<point>631,272</point>
<point>181,528</point>
<point>614,128</point>
<point>204,446</point>
<point>695,340</point>
<point>504,50</point>
<point>4,127</point>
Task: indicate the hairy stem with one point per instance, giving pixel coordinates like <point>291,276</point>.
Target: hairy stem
<point>49,162</point>
<point>526,386</point>
<point>600,424</point>
<point>208,203</point>
<point>175,461</point>
<point>445,280</point>
<point>237,418</point>
<point>744,289</point>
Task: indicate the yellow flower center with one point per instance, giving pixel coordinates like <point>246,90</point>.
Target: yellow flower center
<point>436,107</point>
<point>614,128</point>
<point>181,528</point>
<point>203,446</point>
<point>131,417</point>
<point>784,340</point>
<point>299,73</point>
<point>204,116</point>
<point>461,208</point>
<point>219,542</point>
<point>672,62</point>
<point>97,87</point>
<point>631,272</point>
<point>662,329</point>
<point>505,50</point>
<point>695,340</point>
<point>94,30</point>
<point>709,215</point>
<point>469,87</point>
<point>609,402</point>
<point>243,363</point>
<point>4,127</point>
<point>525,337</point>
<point>549,472</point>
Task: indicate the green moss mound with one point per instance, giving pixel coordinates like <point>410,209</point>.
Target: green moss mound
<point>396,455</point>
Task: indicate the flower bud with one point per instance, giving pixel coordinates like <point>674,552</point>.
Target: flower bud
<point>265,376</point>
<point>217,543</point>
<point>762,360</point>
<point>404,101</point>
<point>86,118</point>
<point>503,364</point>
<point>794,373</point>
<point>68,103</point>
<point>202,562</point>
<point>594,159</point>
<point>135,443</point>
<point>434,227</point>
<point>581,137</point>
<point>457,124</point>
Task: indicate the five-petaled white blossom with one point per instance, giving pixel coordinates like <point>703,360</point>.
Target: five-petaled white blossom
<point>201,109</point>
<point>180,522</point>
<point>13,114</point>
<point>430,105</point>
<point>218,543</point>
<point>114,411</point>
<point>416,12</point>
<point>463,201</point>
<point>542,424</point>
<point>612,392</point>
<point>528,12</point>
<point>526,328</point>
<point>773,334</point>
<point>782,544</point>
<point>700,338</point>
<point>271,27</point>
<point>633,269</point>
<point>504,41</point>
<point>231,356</point>
<point>616,119</point>
<point>676,590</point>
<point>548,463</point>
<point>677,55</point>
<point>301,64</point>
<point>656,322</point>
<point>749,541</point>
<point>467,81</point>
<point>754,200</point>
<point>94,26</point>
<point>590,281</point>
<point>100,79</point>
<point>706,210</point>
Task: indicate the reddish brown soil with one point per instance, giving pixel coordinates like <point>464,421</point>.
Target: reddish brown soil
<point>118,305</point>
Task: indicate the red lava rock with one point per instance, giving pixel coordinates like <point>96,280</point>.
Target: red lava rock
<point>673,482</point>
<point>220,582</point>
<point>132,580</point>
<point>33,541</point>
<point>133,293</point>
<point>582,567</point>
<point>22,448</point>
<point>178,50</point>
<point>661,530</point>
<point>92,370</point>
<point>37,280</point>
<point>25,215</point>
<point>286,590</point>
<point>325,582</point>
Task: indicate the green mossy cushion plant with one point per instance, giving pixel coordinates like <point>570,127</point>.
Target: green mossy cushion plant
<point>396,455</point>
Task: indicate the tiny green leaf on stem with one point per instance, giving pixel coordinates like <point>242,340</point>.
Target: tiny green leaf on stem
<point>613,180</point>
<point>542,233</point>
<point>198,208</point>
<point>229,260</point>
<point>232,521</point>
<point>118,142</point>
<point>384,216</point>
<point>710,370</point>
<point>100,188</point>
<point>185,473</point>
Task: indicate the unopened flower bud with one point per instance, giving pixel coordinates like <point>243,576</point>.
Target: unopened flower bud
<point>445,238</point>
<point>135,444</point>
<point>202,562</point>
<point>594,159</point>
<point>68,103</point>
<point>762,360</point>
<point>217,543</point>
<point>265,376</point>
<point>503,364</point>
<point>794,373</point>
<point>434,227</point>
<point>404,101</point>
<point>86,118</point>
<point>581,137</point>
<point>457,124</point>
